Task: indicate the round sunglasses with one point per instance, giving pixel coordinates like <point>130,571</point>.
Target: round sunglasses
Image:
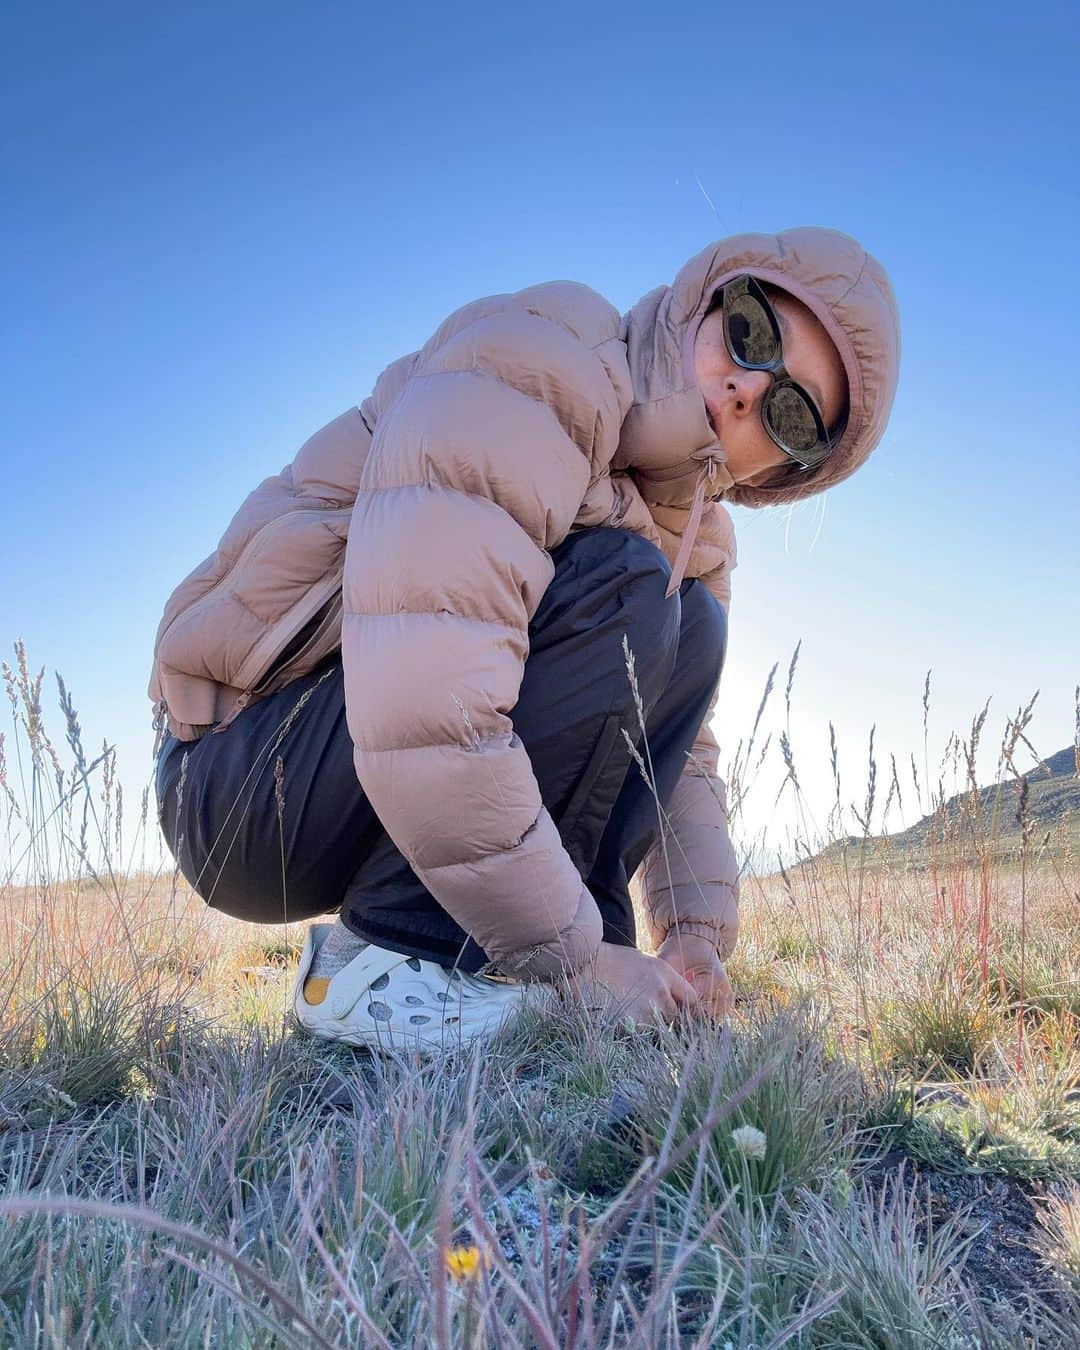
<point>788,413</point>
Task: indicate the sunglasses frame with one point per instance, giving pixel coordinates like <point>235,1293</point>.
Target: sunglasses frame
<point>825,444</point>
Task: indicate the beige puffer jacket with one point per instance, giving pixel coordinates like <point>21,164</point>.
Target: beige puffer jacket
<point>414,532</point>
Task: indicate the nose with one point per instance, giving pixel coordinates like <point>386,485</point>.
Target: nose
<point>744,390</point>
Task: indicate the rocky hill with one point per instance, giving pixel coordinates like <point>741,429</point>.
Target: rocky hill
<point>971,823</point>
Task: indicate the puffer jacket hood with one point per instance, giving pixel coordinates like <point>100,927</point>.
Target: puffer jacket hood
<point>413,533</point>
<point>834,276</point>
<point>848,291</point>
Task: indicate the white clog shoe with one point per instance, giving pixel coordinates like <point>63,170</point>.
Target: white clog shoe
<point>385,1000</point>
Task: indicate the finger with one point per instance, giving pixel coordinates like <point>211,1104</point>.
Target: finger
<point>722,1003</point>
<point>717,997</point>
<point>712,982</point>
<point>682,991</point>
<point>711,1000</point>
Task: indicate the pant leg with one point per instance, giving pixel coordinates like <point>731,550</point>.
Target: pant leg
<point>670,731</point>
<point>575,700</point>
<point>223,827</point>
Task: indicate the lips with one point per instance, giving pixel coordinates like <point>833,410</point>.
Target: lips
<point>712,424</point>
<point>710,416</point>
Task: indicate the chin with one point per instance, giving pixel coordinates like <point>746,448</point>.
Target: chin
<point>760,477</point>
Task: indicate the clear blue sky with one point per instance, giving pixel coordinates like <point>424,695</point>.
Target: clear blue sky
<point>221,222</point>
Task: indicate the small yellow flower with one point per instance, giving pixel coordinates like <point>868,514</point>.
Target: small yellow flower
<point>462,1262</point>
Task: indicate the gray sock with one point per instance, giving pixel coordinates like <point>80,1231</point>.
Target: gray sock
<point>340,947</point>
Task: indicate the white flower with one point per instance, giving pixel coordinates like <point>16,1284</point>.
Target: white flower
<point>749,1141</point>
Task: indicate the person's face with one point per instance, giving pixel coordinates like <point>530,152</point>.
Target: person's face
<point>733,395</point>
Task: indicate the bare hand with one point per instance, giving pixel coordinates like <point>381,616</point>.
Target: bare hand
<point>646,988</point>
<point>696,959</point>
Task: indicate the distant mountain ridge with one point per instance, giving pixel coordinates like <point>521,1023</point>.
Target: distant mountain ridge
<point>1053,807</point>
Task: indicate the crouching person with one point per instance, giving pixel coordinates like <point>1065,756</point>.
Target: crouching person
<point>405,668</point>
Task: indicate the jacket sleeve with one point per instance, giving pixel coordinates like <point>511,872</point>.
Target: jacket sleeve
<point>477,468</point>
<point>702,888</point>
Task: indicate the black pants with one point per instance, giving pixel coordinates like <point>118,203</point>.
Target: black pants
<point>575,701</point>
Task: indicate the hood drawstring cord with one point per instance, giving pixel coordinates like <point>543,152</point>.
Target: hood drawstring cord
<point>689,537</point>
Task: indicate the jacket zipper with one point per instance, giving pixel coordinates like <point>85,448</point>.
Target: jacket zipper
<point>261,659</point>
<point>263,653</point>
<point>325,620</point>
<point>304,511</point>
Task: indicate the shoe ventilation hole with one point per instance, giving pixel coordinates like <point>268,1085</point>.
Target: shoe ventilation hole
<point>380,1011</point>
<point>414,962</point>
<point>380,983</point>
<point>413,1000</point>
<point>419,1017</point>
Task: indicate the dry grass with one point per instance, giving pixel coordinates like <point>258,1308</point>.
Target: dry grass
<point>180,1166</point>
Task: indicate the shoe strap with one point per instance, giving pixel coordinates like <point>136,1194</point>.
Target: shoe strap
<point>350,984</point>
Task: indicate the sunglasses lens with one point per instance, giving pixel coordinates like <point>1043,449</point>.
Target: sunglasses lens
<point>753,340</point>
<point>791,419</point>
<point>750,331</point>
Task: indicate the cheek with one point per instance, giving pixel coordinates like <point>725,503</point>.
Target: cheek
<point>710,351</point>
<point>720,363</point>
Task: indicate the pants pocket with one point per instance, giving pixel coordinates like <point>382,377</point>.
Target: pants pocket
<point>582,823</point>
